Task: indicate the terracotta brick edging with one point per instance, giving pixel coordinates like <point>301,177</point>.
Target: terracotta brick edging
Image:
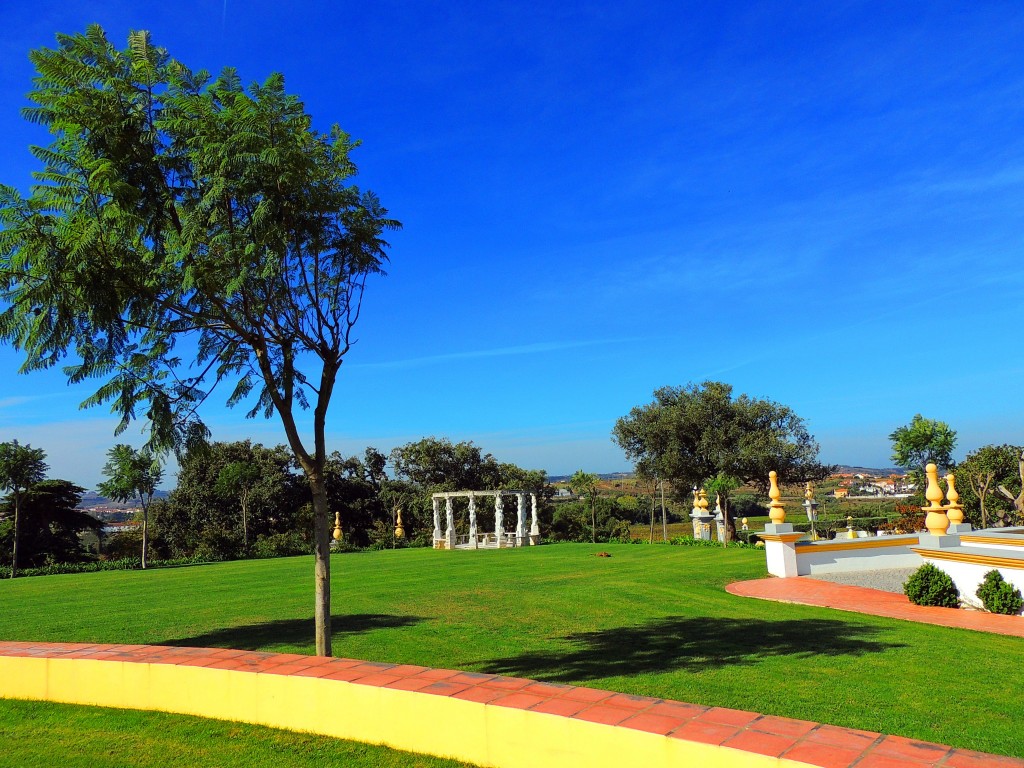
<point>805,590</point>
<point>733,733</point>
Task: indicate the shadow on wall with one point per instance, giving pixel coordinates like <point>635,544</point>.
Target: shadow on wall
<point>257,637</point>
<point>690,644</point>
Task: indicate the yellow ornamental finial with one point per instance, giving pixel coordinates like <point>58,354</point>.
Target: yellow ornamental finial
<point>809,491</point>
<point>775,509</point>
<point>399,529</point>
<point>954,510</point>
<point>935,521</point>
<point>337,526</point>
<point>702,501</point>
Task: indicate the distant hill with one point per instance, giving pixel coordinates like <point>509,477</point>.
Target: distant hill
<point>600,475</point>
<point>842,468</point>
<point>91,499</point>
<point>884,472</point>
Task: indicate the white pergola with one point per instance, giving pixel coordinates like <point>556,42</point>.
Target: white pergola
<point>476,540</point>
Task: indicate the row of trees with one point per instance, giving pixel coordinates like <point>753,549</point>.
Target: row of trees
<point>39,519</point>
<point>243,499</point>
<point>39,522</point>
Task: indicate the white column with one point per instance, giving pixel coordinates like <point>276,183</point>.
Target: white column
<point>521,518</point>
<point>449,534</point>
<point>780,553</point>
<point>534,525</point>
<point>437,519</point>
<point>472,519</point>
<point>498,522</point>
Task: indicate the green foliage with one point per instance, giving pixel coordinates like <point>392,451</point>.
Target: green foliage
<point>186,231</point>
<point>990,481</point>
<point>689,541</point>
<point>21,466</point>
<point>693,433</point>
<point>433,465</point>
<point>438,464</point>
<point>203,515</point>
<point>119,564</point>
<point>281,545</point>
<point>929,585</point>
<point>180,205</point>
<point>585,484</point>
<point>573,521</point>
<point>50,525</point>
<point>132,474</point>
<point>921,442</point>
<point>998,595</point>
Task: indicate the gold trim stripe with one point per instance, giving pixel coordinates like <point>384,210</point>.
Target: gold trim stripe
<point>878,542</point>
<point>972,558</point>
<point>787,537</point>
<point>993,540</point>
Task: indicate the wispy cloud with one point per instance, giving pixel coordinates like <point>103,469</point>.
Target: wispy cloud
<point>14,401</point>
<point>524,349</point>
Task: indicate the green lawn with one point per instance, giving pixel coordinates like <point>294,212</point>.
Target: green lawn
<point>650,620</point>
<point>41,735</point>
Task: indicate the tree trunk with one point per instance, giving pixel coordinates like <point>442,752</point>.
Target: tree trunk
<point>321,565</point>
<point>651,541</point>
<point>17,522</point>
<point>664,519</point>
<point>145,533</point>
<point>981,500</point>
<point>245,523</point>
<point>593,520</point>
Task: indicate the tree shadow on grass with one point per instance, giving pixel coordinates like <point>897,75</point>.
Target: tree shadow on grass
<point>254,637</point>
<point>690,644</point>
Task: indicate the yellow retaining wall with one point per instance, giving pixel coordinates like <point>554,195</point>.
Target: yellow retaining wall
<point>483,734</point>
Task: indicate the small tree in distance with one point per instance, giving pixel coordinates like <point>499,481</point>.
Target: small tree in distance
<point>691,434</point>
<point>132,475</point>
<point>21,467</point>
<point>923,442</point>
<point>722,486</point>
<point>585,484</point>
<point>238,479</point>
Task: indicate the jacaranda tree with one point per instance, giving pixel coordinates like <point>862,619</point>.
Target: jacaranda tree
<point>184,231</point>
<point>132,474</point>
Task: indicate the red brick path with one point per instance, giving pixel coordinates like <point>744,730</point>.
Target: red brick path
<point>844,597</point>
<point>821,745</point>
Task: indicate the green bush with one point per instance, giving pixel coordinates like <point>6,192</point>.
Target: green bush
<point>930,586</point>
<point>124,564</point>
<point>689,541</point>
<point>998,595</point>
<point>280,545</point>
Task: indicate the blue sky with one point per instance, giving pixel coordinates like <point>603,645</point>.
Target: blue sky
<point>822,206</point>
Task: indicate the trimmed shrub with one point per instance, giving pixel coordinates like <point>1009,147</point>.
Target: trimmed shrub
<point>998,595</point>
<point>930,586</point>
<point>689,541</point>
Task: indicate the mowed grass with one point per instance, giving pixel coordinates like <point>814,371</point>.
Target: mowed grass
<point>651,620</point>
<point>41,735</point>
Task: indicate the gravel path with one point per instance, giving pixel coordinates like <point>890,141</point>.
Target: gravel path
<point>888,579</point>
